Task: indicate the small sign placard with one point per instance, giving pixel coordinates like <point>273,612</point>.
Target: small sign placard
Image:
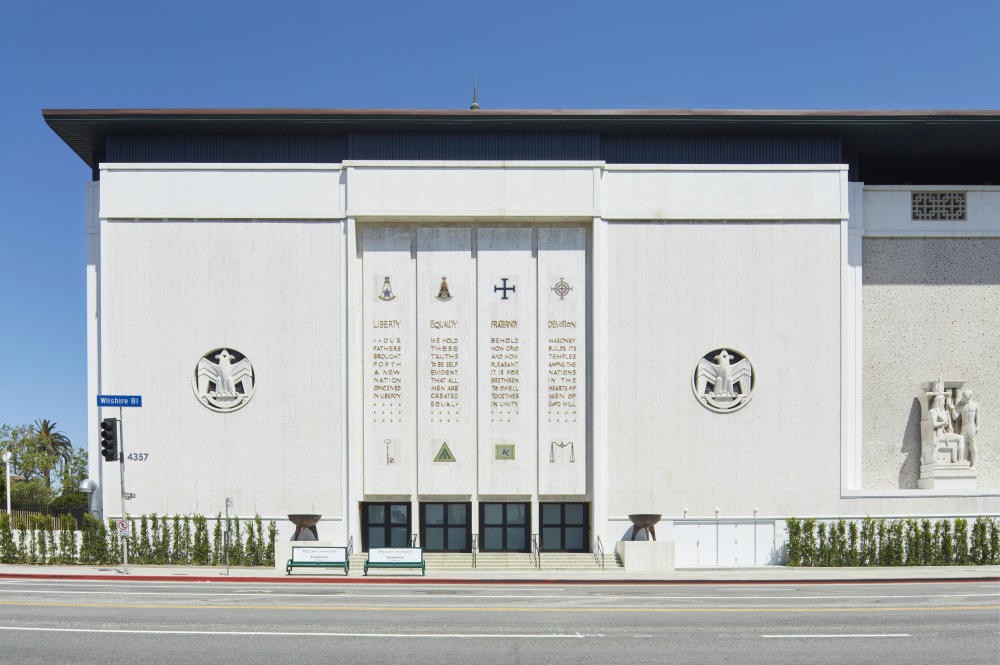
<point>124,528</point>
<point>319,554</point>
<point>395,555</point>
<point>119,400</point>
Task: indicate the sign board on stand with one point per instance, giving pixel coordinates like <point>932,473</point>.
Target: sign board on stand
<point>319,554</point>
<point>124,528</point>
<point>395,555</point>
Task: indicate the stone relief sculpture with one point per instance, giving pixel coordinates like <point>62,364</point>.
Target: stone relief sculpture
<point>968,413</point>
<point>224,386</point>
<point>731,382</point>
<point>949,423</point>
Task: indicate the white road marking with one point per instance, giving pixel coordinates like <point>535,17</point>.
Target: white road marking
<point>847,635</point>
<point>456,596</point>
<point>283,634</point>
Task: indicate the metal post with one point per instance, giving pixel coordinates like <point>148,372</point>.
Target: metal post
<point>121,456</point>
<point>121,466</point>
<point>229,502</point>
<point>6,459</point>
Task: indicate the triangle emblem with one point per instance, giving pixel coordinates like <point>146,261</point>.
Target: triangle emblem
<point>444,455</point>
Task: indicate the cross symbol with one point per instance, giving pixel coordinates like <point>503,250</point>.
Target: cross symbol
<point>505,288</point>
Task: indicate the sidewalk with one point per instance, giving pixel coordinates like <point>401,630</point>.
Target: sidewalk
<point>268,575</point>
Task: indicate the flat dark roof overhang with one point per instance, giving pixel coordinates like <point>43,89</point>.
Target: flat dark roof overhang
<point>950,145</point>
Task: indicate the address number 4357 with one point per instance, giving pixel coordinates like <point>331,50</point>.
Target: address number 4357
<point>137,457</point>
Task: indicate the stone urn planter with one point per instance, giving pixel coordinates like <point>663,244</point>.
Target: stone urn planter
<point>303,523</point>
<point>644,521</point>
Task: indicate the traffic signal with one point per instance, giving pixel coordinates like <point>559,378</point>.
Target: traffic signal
<point>109,439</point>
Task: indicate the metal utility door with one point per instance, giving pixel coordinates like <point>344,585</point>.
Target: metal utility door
<point>736,544</point>
<point>696,544</point>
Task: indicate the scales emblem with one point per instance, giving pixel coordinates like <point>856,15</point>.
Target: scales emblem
<point>560,444</point>
<point>562,288</point>
<point>443,294</point>
<point>731,382</point>
<point>386,293</point>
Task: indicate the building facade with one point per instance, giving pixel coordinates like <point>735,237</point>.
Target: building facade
<point>483,328</point>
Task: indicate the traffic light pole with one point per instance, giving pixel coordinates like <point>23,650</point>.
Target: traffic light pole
<point>121,460</point>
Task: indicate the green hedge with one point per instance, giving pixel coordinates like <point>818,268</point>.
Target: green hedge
<point>177,540</point>
<point>881,542</point>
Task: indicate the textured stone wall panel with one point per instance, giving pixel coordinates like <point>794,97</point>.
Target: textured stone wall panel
<point>931,309</point>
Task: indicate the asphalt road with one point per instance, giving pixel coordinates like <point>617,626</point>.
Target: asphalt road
<point>189,622</point>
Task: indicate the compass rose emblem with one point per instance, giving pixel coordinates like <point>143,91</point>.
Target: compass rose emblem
<point>562,288</point>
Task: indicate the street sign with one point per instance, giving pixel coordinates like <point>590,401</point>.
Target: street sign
<point>124,528</point>
<point>119,400</point>
<point>128,495</point>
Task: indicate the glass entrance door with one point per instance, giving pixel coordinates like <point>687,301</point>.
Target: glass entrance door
<point>565,527</point>
<point>504,527</point>
<point>385,525</point>
<point>445,527</point>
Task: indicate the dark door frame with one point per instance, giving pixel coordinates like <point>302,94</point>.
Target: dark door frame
<point>563,526</point>
<point>468,525</point>
<point>504,526</point>
<point>388,521</point>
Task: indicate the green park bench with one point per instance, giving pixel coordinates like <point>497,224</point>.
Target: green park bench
<point>396,558</point>
<point>319,557</point>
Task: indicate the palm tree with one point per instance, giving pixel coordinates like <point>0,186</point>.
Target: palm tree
<point>51,442</point>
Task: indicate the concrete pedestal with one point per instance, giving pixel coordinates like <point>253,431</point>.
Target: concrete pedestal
<point>283,550</point>
<point>947,477</point>
<point>646,556</point>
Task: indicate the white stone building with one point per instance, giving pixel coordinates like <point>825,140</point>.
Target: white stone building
<point>471,327</point>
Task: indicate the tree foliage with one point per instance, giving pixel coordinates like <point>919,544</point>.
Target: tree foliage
<point>37,451</point>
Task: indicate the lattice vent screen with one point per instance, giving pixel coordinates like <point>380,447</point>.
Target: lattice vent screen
<point>939,205</point>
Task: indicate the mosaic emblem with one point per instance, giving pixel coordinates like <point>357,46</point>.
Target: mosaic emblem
<point>723,386</point>
<point>226,385</point>
<point>443,294</point>
<point>562,288</point>
<point>386,291</point>
<point>504,451</point>
<point>504,289</point>
<point>444,455</point>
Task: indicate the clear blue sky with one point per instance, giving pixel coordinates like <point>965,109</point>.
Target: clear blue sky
<point>598,55</point>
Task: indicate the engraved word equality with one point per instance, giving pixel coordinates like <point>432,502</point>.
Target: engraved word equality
<point>725,385</point>
<point>226,384</point>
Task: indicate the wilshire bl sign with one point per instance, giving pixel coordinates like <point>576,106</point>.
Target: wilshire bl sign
<point>119,400</point>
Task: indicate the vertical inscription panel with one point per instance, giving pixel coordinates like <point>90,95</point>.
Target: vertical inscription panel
<point>446,357</point>
<point>388,355</point>
<point>507,361</point>
<point>562,371</point>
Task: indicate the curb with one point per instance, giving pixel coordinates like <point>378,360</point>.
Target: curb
<point>514,581</point>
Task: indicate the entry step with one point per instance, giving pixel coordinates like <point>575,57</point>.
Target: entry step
<point>510,561</point>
